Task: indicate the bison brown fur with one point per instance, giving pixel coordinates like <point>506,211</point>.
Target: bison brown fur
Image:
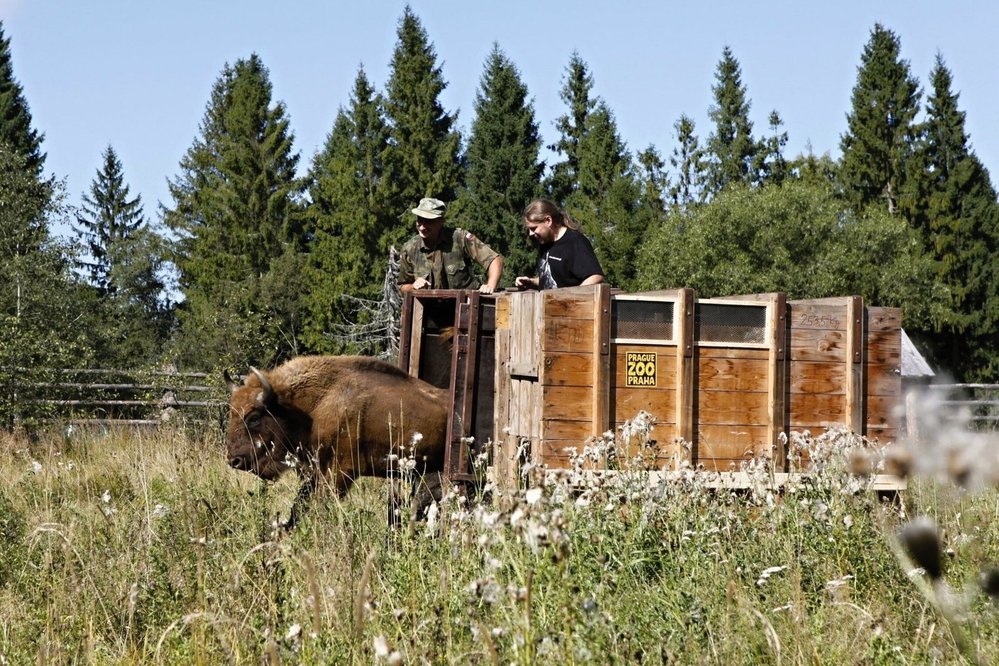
<point>334,418</point>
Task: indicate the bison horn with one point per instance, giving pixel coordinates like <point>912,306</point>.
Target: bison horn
<point>231,383</point>
<point>268,392</point>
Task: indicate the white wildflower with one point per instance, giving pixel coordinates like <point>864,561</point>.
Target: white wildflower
<point>381,646</point>
<point>294,632</point>
<point>106,497</point>
<point>767,573</point>
<point>36,467</point>
<point>533,495</point>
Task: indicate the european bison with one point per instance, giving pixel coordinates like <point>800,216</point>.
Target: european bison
<point>334,418</point>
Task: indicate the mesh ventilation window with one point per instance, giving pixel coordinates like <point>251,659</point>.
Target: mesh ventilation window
<point>731,323</point>
<point>642,320</point>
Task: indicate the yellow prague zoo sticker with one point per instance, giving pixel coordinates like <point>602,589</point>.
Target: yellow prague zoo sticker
<point>641,369</point>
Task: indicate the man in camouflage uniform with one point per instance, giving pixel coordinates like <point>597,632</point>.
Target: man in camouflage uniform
<point>440,257</point>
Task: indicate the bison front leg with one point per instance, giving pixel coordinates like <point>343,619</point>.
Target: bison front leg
<point>341,483</point>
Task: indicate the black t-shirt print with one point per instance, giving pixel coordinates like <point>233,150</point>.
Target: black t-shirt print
<point>567,262</point>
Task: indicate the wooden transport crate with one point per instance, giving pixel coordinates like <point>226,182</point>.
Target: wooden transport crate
<point>726,379</point>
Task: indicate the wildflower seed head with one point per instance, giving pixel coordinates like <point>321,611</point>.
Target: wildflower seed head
<point>921,541</point>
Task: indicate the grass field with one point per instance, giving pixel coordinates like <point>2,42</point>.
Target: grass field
<point>130,548</point>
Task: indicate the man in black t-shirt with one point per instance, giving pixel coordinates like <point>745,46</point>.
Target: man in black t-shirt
<point>565,256</point>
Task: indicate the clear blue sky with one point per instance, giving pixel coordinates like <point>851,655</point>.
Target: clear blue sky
<point>138,75</point>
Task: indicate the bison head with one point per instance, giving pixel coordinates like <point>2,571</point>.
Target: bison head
<point>264,436</point>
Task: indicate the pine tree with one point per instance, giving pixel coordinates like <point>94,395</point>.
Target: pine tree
<point>576,92</point>
<point>108,216</point>
<point>236,210</point>
<point>880,126</point>
<point>15,117</point>
<point>688,161</point>
<point>504,170</point>
<point>424,145</point>
<point>348,214</point>
<point>959,218</point>
<point>606,199</point>
<point>731,148</point>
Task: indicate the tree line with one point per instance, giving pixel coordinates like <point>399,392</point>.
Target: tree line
<point>271,264</point>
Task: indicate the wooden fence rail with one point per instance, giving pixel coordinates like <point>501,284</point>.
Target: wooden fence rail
<point>88,396</point>
<point>980,400</point>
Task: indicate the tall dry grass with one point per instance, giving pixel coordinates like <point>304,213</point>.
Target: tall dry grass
<point>136,547</point>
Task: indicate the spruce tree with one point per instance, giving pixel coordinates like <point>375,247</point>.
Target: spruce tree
<point>576,92</point>
<point>689,163</point>
<point>504,170</point>
<point>236,210</point>
<point>107,217</point>
<point>731,150</point>
<point>880,126</point>
<point>424,144</point>
<point>606,199</point>
<point>959,218</point>
<point>348,212</point>
<point>15,117</point>
<point>771,165</point>
<point>124,262</point>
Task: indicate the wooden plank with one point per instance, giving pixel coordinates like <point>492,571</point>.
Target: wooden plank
<point>881,410</point>
<point>686,370</point>
<point>567,402</point>
<point>817,345</point>
<point>884,379</point>
<point>820,316</point>
<point>562,429</point>
<point>572,335</point>
<point>776,388</point>
<point>855,365</point>
<point>812,377</point>
<point>809,410</point>
<point>881,319</point>
<point>415,338</point>
<point>741,439</point>
<point>503,302</point>
<point>574,304</point>
<point>727,374</point>
<point>733,352</point>
<point>505,441</point>
<point>731,407</point>
<point>658,402</point>
<point>567,369</point>
<point>883,435</point>
<point>600,385</point>
<point>884,346</point>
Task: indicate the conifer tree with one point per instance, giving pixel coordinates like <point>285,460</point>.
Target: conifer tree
<point>771,165</point>
<point>15,117</point>
<point>880,126</point>
<point>959,218</point>
<point>125,261</point>
<point>503,168</point>
<point>348,214</point>
<point>732,150</point>
<point>688,161</point>
<point>576,92</point>
<point>108,216</point>
<point>236,210</point>
<point>606,199</point>
<point>423,158</point>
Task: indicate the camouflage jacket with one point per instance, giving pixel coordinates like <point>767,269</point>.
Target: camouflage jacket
<point>448,265</point>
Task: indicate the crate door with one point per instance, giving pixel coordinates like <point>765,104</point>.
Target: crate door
<point>574,370</point>
<point>737,407</point>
